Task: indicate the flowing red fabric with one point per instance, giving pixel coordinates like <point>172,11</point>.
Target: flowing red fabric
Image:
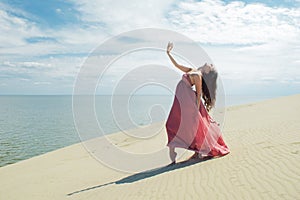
<point>190,128</point>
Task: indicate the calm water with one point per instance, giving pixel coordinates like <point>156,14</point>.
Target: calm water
<point>33,125</point>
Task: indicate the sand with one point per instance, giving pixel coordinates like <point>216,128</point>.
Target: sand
<point>264,163</point>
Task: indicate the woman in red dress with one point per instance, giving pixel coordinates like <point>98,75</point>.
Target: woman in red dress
<point>189,124</point>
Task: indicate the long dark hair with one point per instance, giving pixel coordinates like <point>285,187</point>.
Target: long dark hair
<point>209,88</point>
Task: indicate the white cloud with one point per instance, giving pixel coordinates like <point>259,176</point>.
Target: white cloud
<point>123,15</point>
<point>18,27</point>
<point>58,10</point>
<point>36,64</point>
<point>247,42</point>
<point>255,64</point>
<point>48,68</point>
<point>14,29</point>
<point>213,21</point>
<point>250,42</point>
<point>31,61</point>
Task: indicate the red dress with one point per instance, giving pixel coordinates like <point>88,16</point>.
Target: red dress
<point>190,128</point>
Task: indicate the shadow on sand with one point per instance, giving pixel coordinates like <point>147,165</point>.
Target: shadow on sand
<point>145,174</point>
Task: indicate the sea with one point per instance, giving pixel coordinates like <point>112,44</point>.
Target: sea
<point>32,125</point>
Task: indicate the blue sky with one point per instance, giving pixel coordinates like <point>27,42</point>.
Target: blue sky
<point>254,44</point>
<point>47,13</point>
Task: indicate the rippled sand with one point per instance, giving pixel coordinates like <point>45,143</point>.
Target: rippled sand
<point>264,163</point>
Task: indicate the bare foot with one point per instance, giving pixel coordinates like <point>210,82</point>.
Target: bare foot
<point>200,157</point>
<point>195,156</point>
<point>207,157</point>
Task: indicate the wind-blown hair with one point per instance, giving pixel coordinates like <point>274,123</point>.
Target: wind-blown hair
<point>209,89</point>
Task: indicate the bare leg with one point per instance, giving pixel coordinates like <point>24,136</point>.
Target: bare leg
<point>172,154</point>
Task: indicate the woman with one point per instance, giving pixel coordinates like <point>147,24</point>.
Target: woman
<point>189,125</point>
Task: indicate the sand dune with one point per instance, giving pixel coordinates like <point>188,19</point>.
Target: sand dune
<point>264,163</point>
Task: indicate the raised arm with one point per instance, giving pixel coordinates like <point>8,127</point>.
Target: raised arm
<point>181,67</point>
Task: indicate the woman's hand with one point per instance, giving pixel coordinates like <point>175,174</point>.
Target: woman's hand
<point>181,67</point>
<point>169,47</point>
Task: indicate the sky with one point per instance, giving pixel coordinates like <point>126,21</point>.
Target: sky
<point>255,45</point>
